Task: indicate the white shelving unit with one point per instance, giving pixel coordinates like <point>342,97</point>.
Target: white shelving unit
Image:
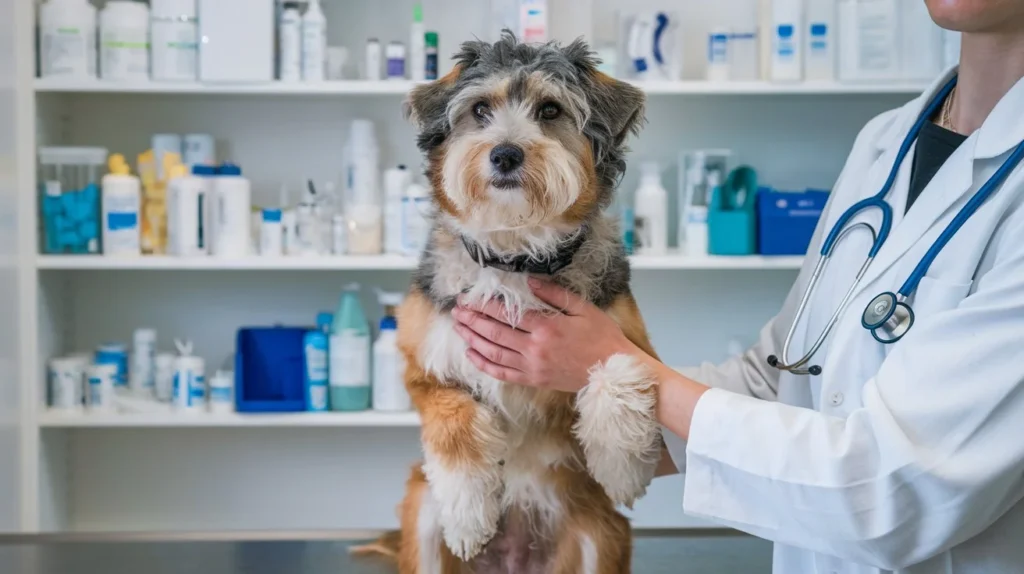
<point>159,471</point>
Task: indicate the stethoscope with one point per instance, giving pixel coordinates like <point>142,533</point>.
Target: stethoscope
<point>888,316</point>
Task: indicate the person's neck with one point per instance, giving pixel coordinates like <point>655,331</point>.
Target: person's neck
<point>990,64</point>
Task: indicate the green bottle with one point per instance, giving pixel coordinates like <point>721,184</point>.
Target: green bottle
<point>350,354</point>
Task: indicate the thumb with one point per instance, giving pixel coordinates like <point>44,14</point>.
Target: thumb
<point>558,296</point>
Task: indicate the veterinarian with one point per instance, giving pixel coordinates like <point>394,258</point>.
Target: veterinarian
<point>899,444</point>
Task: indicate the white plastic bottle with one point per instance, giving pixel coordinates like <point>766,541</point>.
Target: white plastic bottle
<point>271,233</point>
<point>175,40</point>
<point>124,41</point>
<point>718,55</point>
<point>364,209</point>
<point>121,207</point>
<point>314,42</point>
<point>396,180</point>
<point>67,39</point>
<point>651,212</point>
<point>142,374</point>
<point>233,196</point>
<point>787,41</point>
<point>289,33</point>
<point>389,393</point>
<point>820,44</point>
<point>417,46</point>
<point>415,219</point>
<point>186,217</point>
<point>533,21</point>
<point>373,59</point>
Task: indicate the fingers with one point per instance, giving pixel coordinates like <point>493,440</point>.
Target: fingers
<point>558,297</point>
<point>499,372</point>
<point>494,331</point>
<point>496,354</point>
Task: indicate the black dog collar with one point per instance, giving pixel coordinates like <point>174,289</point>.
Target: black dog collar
<point>526,263</point>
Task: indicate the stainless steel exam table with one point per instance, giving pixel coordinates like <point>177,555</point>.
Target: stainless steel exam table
<point>654,552</point>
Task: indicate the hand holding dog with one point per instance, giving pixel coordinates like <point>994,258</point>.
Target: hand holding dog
<point>548,351</point>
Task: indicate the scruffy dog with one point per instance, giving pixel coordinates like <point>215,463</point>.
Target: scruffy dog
<point>524,147</point>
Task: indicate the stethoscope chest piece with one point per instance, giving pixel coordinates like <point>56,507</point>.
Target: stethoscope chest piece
<point>887,317</point>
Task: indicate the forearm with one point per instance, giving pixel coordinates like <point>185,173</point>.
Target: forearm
<point>677,398</point>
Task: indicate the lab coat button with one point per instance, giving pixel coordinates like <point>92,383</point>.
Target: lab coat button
<point>836,399</point>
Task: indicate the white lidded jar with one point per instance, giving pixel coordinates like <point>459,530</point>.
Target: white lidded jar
<point>289,43</point>
<point>233,198</point>
<point>67,39</point>
<point>651,212</point>
<point>121,210</point>
<point>314,42</point>
<point>175,40</point>
<point>124,41</point>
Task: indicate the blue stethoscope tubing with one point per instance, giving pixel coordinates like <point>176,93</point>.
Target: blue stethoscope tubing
<point>887,316</point>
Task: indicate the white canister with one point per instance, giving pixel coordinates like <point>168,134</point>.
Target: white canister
<point>232,230</point>
<point>189,386</point>
<point>100,380</point>
<point>186,217</point>
<point>124,41</point>
<point>175,40</point>
<point>142,371</point>
<point>67,39</point>
<point>271,233</point>
<point>222,392</point>
<point>163,378</point>
<point>65,376</point>
<point>199,149</point>
<point>121,209</point>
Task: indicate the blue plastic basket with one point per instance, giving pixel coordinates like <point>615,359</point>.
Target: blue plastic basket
<point>268,370</point>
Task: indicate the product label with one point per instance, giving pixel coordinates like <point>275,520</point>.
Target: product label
<point>431,71</point>
<point>65,389</point>
<point>415,224</point>
<point>819,39</point>
<point>64,52</point>
<point>122,221</point>
<point>196,389</point>
<point>718,49</point>
<point>124,54</point>
<point>350,359</point>
<point>175,50</point>
<point>220,394</point>
<point>52,188</point>
<point>96,394</point>
<point>388,385</point>
<point>396,67</point>
<point>316,364</point>
<point>785,48</point>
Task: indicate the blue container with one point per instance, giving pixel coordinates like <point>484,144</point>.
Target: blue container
<point>786,220</point>
<point>269,370</point>
<point>732,215</point>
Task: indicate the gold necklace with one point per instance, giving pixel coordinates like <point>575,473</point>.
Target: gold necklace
<point>947,106</point>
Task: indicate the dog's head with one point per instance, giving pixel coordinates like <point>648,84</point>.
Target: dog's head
<point>524,142</point>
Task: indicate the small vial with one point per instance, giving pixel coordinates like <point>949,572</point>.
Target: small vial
<point>271,233</point>
<point>431,55</point>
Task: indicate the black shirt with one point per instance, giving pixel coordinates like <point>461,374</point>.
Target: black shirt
<point>934,146</point>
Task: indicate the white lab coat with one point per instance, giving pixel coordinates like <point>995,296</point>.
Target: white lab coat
<point>899,458</point>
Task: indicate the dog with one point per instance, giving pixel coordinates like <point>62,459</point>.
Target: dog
<point>524,147</point>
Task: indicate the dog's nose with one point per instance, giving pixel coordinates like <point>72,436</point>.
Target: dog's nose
<point>506,157</point>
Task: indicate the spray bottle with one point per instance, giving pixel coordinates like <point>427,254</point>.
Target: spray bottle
<point>389,393</point>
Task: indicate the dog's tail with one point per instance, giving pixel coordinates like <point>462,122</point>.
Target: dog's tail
<point>384,547</point>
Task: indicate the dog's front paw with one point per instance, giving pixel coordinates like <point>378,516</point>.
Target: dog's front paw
<point>621,439</point>
<point>470,511</point>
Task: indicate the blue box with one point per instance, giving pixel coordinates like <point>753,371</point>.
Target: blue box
<point>268,370</point>
<point>732,230</point>
<point>786,220</point>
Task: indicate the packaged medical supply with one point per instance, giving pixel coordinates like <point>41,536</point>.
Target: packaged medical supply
<point>67,39</point>
<point>415,219</point>
<point>222,393</point>
<point>787,40</point>
<point>363,208</point>
<point>114,354</point>
<point>122,209</point>
<point>732,214</point>
<point>533,21</point>
<point>289,43</point>
<point>339,234</point>
<point>314,42</point>
<point>820,43</point>
<point>921,43</point>
<point>868,46</point>
<point>124,41</point>
<point>315,346</point>
<point>70,199</point>
<point>431,56</point>
<point>199,149</point>
<point>372,60</point>
<point>786,220</point>
<point>395,55</point>
<point>142,373</point>
<point>189,386</point>
<point>337,57</point>
<point>163,379</point>
<point>175,40</point>
<point>718,55</point>
<point>237,41</point>
<point>232,195</point>
<point>186,214</point>
<point>417,46</point>
<point>271,233</point>
<point>66,378</point>
<point>101,380</point>
<point>389,393</point>
<point>349,357</point>
<point>651,212</point>
<point>396,180</point>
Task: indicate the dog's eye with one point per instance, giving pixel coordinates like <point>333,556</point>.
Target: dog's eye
<point>481,110</point>
<point>549,111</point>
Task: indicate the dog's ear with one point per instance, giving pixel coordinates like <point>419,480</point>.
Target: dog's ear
<point>616,107</point>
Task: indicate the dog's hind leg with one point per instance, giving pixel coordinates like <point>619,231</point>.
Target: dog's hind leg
<point>422,549</point>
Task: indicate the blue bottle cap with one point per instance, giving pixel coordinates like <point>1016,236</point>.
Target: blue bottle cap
<point>204,170</point>
<point>388,323</point>
<point>229,169</point>
<point>272,215</point>
<point>324,319</point>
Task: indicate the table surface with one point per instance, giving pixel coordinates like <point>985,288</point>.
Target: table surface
<point>652,554</point>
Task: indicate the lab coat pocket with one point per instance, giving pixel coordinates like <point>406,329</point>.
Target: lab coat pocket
<point>935,295</point>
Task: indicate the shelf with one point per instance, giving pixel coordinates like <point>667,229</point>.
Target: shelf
<point>204,420</point>
<point>401,87</point>
<point>367,263</point>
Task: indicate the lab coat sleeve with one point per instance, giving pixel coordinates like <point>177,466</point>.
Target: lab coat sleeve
<point>749,373</point>
<point>932,457</point>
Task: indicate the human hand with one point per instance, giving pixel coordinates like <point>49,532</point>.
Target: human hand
<point>545,350</point>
